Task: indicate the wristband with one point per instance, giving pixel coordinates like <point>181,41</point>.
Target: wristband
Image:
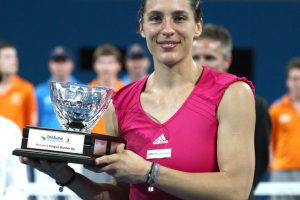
<point>62,185</point>
<point>152,176</point>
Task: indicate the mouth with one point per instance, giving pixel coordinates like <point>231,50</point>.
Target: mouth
<point>168,45</point>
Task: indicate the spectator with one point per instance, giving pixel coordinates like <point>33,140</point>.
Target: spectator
<point>17,99</point>
<point>137,63</point>
<point>61,66</point>
<point>107,65</point>
<point>214,49</point>
<point>285,137</point>
<point>13,177</point>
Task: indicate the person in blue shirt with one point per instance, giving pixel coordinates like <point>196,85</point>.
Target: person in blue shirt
<point>137,63</point>
<point>61,66</point>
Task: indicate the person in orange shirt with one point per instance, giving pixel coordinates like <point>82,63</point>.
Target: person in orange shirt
<point>285,132</point>
<point>17,99</point>
<point>106,64</point>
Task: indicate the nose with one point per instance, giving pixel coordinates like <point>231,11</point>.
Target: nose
<point>168,29</point>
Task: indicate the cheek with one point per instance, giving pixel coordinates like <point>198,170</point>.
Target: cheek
<point>115,68</point>
<point>98,67</point>
<point>291,84</point>
<point>151,38</point>
<point>6,62</point>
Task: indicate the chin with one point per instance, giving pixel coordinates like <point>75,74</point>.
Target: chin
<point>170,61</point>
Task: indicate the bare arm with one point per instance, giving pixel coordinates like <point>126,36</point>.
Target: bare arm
<point>88,189</point>
<point>235,152</point>
<point>82,186</point>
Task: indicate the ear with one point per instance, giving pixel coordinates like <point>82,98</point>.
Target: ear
<point>287,82</point>
<point>95,66</point>
<point>198,29</point>
<point>49,65</point>
<point>141,28</point>
<point>72,65</point>
<point>119,67</point>
<point>148,63</point>
<point>228,60</point>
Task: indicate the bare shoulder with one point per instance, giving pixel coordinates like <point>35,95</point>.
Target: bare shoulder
<point>237,92</point>
<point>237,107</point>
<point>239,88</point>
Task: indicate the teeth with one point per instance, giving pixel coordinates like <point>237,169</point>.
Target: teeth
<point>168,44</point>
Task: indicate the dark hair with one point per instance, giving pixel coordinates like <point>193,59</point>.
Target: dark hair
<point>217,33</point>
<point>107,50</point>
<point>196,6</point>
<point>5,44</point>
<point>293,64</point>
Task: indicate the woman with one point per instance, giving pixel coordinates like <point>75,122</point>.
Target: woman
<point>195,124</point>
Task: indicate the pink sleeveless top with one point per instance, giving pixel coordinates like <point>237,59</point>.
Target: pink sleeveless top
<point>191,133</point>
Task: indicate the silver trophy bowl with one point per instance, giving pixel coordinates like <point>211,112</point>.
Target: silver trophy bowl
<point>78,107</point>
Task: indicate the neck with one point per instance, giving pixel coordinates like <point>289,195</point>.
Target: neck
<point>61,79</point>
<point>137,76</point>
<point>5,83</point>
<point>107,81</point>
<point>169,77</point>
<point>295,98</point>
<point>6,79</point>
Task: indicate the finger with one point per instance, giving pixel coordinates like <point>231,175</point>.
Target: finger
<point>46,164</point>
<point>50,165</point>
<point>120,148</point>
<point>108,169</point>
<point>34,163</point>
<point>106,159</point>
<point>23,159</point>
<point>96,169</point>
<point>90,167</point>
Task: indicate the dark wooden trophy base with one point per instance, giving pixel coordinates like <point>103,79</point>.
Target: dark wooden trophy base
<point>94,145</point>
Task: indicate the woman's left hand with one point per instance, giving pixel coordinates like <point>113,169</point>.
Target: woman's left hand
<point>125,165</point>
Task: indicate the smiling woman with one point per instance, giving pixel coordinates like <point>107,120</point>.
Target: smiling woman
<point>189,129</point>
<point>169,28</point>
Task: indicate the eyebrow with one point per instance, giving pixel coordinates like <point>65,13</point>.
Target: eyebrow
<point>154,12</point>
<point>180,12</point>
<point>176,12</point>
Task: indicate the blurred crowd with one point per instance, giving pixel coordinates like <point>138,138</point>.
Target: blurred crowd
<point>21,103</point>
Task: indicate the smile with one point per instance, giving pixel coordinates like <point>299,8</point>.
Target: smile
<point>168,45</point>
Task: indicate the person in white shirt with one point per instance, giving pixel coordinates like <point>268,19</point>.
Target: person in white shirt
<point>13,176</point>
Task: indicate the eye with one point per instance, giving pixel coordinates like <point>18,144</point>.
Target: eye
<point>155,19</point>
<point>196,57</point>
<point>209,57</point>
<point>180,18</point>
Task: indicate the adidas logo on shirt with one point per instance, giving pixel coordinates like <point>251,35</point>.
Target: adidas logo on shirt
<point>161,140</point>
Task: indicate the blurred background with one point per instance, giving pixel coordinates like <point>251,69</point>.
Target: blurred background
<point>265,35</point>
<point>265,32</point>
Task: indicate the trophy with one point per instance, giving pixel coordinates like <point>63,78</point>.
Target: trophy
<point>78,108</point>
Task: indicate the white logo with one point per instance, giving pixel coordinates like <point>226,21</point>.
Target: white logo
<point>161,140</point>
<point>16,98</point>
<point>285,118</point>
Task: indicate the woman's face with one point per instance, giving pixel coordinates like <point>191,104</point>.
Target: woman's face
<point>169,28</point>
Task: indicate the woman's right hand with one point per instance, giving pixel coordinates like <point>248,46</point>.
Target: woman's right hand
<point>60,171</point>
